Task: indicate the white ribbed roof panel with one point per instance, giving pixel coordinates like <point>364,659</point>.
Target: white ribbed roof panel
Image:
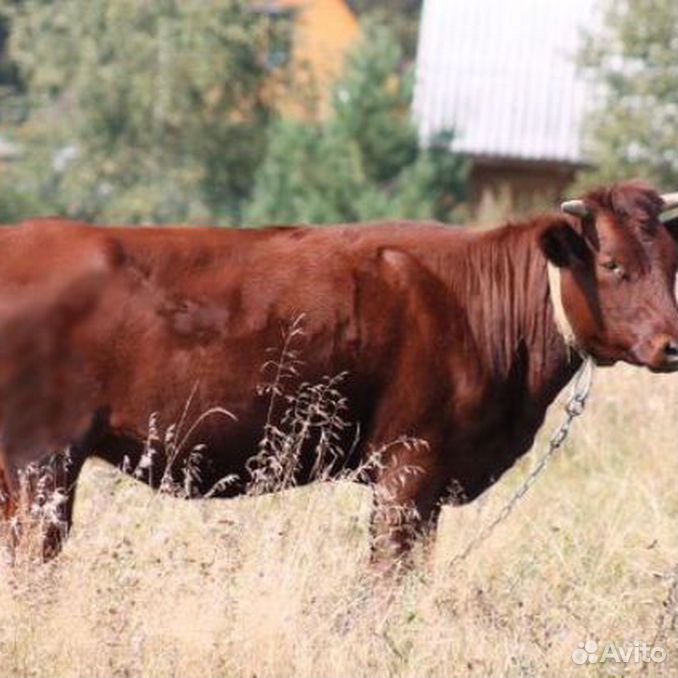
<point>502,73</point>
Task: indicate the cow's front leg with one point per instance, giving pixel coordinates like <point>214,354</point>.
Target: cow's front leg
<point>406,501</point>
<point>39,506</point>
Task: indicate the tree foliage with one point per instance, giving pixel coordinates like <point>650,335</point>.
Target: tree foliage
<point>362,162</point>
<point>633,129</point>
<point>141,111</point>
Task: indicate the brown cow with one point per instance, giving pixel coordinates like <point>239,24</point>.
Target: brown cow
<point>413,332</point>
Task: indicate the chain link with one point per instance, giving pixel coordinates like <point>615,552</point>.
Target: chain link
<point>581,387</point>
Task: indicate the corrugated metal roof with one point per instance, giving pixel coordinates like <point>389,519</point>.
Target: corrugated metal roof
<point>502,74</point>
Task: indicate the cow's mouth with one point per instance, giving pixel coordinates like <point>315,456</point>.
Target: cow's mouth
<point>669,365</point>
<point>660,356</point>
<point>666,366</point>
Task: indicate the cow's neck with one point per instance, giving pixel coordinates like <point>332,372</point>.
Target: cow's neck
<point>512,314</point>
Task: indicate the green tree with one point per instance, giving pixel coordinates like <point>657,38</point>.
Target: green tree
<point>141,111</point>
<point>633,129</point>
<point>364,160</point>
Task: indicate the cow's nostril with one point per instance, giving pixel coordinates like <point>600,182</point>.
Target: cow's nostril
<point>671,349</point>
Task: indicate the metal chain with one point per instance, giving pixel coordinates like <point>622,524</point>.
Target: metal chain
<point>581,386</point>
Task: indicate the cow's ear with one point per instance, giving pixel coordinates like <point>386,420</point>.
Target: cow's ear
<point>562,245</point>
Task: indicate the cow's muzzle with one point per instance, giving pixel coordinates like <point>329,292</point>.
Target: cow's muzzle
<point>660,354</point>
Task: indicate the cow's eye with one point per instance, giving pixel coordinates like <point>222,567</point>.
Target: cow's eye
<point>614,267</point>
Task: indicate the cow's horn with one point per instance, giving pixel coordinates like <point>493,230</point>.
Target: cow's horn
<point>575,207</point>
<point>670,200</point>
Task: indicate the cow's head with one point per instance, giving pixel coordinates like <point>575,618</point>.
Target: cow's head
<point>616,266</point>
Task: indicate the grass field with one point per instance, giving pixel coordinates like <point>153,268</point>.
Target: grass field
<point>279,585</point>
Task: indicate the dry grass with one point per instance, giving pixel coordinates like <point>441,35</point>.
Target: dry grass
<point>278,585</point>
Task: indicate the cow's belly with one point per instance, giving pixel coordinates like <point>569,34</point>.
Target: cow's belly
<point>226,457</point>
<point>228,423</point>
